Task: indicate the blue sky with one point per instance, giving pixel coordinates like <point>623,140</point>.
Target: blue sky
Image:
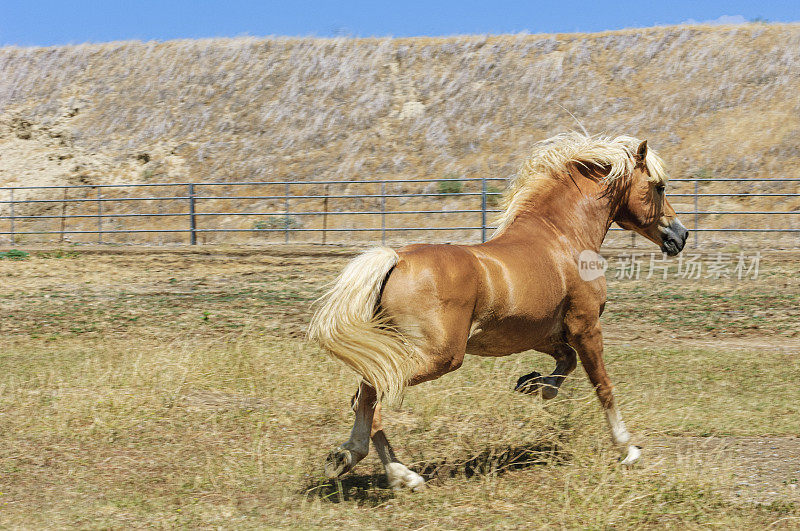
<point>49,22</point>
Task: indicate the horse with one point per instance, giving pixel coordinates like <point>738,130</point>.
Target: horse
<point>402,317</point>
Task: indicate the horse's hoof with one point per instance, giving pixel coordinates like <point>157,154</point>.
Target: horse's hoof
<point>634,453</point>
<point>529,384</point>
<point>400,477</point>
<point>339,462</point>
<point>549,392</point>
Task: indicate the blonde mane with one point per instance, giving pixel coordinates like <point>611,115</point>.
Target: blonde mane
<point>551,158</point>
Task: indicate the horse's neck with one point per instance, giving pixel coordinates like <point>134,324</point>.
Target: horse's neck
<point>572,208</point>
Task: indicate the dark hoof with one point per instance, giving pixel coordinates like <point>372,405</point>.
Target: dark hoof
<point>549,392</point>
<point>339,462</point>
<point>530,384</point>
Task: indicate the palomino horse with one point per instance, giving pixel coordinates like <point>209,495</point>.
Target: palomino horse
<point>399,318</point>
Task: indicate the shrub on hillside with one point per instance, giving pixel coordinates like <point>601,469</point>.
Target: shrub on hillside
<point>450,187</point>
<point>276,223</point>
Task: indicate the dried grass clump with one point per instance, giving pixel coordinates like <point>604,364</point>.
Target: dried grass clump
<point>307,108</point>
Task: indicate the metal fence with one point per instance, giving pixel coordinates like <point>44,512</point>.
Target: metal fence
<point>294,210</point>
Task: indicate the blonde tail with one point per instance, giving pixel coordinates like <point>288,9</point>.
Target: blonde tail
<point>350,329</point>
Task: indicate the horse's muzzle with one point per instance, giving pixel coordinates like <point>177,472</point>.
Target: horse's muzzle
<point>673,237</point>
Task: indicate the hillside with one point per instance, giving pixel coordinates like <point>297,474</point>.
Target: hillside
<point>721,100</point>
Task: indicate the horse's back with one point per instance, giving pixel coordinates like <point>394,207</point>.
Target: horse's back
<point>442,274</point>
<point>486,282</point>
<point>485,299</point>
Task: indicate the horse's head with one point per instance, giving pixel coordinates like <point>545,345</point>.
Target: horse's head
<point>643,206</point>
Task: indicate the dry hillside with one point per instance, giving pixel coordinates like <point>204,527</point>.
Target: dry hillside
<point>718,100</point>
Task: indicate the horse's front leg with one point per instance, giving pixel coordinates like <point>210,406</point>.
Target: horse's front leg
<point>532,383</point>
<point>356,448</point>
<point>587,339</point>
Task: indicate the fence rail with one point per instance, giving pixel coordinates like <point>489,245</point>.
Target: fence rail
<point>25,210</point>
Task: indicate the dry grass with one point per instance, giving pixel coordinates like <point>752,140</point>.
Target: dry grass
<point>252,106</point>
<point>718,100</point>
<point>175,418</point>
<point>232,433</point>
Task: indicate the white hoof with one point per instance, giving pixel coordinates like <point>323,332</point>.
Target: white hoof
<point>401,477</point>
<point>634,453</point>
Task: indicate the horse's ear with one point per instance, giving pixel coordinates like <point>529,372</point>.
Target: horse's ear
<point>641,152</point>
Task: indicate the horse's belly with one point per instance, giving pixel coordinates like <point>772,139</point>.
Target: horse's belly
<point>508,337</point>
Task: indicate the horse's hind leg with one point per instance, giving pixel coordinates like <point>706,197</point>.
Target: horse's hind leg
<point>446,356</point>
<point>398,474</point>
<point>356,448</point>
<point>566,361</point>
<point>368,426</point>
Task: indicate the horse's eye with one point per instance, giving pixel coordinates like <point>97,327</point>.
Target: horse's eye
<point>661,188</point>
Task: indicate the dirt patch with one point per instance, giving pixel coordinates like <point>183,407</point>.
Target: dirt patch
<point>766,469</point>
<point>221,290</point>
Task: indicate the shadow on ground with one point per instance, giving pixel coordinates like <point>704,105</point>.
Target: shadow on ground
<point>373,489</point>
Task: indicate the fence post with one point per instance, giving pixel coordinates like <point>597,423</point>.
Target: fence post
<point>99,215</point>
<point>325,215</point>
<point>695,214</point>
<point>483,209</point>
<point>192,220</point>
<point>286,215</point>
<point>63,214</point>
<point>13,236</point>
<point>383,213</point>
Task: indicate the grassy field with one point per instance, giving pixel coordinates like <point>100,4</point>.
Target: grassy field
<point>152,388</point>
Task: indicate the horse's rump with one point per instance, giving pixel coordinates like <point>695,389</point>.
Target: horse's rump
<point>351,327</point>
